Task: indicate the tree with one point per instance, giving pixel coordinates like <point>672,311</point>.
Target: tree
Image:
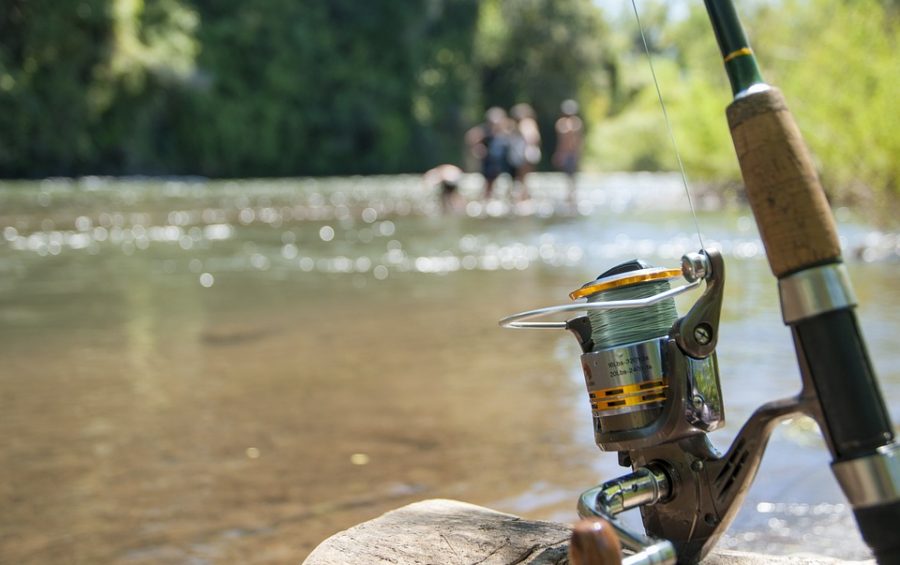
<point>48,53</point>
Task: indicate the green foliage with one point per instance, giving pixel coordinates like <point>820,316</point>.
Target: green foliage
<point>301,87</point>
<point>49,52</point>
<point>841,75</point>
<point>137,90</point>
<point>304,87</point>
<point>446,86</point>
<point>834,59</point>
<point>634,138</point>
<point>275,87</point>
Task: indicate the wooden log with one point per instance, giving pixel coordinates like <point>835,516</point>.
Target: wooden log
<point>445,532</point>
<point>449,532</point>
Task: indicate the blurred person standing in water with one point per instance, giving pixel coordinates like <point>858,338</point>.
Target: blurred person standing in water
<point>525,146</point>
<point>569,141</point>
<point>489,142</point>
<point>446,179</point>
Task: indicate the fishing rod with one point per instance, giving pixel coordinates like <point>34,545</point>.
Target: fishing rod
<point>817,299</point>
<point>653,377</point>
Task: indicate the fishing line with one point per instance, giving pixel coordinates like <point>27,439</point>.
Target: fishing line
<point>612,328</point>
<point>662,104</point>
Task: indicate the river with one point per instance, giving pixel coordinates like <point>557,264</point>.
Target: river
<point>218,372</point>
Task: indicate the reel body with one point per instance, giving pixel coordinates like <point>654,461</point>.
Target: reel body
<point>655,394</point>
<point>628,384</point>
<point>653,402</point>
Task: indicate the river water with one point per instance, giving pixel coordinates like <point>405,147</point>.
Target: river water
<point>218,372</point>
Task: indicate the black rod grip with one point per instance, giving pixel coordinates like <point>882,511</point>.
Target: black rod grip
<point>880,527</point>
<point>856,418</point>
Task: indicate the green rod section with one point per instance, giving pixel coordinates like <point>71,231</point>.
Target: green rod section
<point>740,63</point>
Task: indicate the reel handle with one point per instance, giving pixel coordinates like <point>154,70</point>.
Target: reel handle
<point>644,487</point>
<point>594,542</point>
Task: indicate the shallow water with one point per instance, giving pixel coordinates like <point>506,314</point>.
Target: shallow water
<point>232,371</point>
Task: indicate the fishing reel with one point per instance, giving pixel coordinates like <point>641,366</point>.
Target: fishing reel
<point>653,384</point>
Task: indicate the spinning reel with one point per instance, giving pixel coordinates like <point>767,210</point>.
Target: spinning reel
<point>653,384</point>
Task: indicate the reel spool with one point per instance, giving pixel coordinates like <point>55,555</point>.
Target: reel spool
<point>624,370</point>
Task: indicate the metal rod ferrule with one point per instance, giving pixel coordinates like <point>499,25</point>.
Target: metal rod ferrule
<point>873,480</point>
<point>815,291</point>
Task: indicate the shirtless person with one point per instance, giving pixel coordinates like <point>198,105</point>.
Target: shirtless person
<point>569,140</point>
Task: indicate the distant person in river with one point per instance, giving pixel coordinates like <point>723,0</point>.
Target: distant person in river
<point>489,142</point>
<point>569,141</point>
<point>446,179</point>
<point>525,146</point>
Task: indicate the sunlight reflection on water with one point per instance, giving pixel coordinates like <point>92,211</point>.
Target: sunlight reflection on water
<point>235,332</point>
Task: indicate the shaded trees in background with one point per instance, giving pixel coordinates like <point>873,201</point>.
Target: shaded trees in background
<point>49,52</point>
<point>91,87</point>
<point>447,91</point>
<point>140,88</point>
<point>540,52</point>
<point>298,87</point>
<point>303,88</point>
<point>274,87</point>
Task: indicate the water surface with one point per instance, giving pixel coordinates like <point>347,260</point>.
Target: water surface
<point>217,372</point>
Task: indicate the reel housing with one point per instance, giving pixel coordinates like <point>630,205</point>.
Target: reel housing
<point>629,383</point>
<point>653,383</point>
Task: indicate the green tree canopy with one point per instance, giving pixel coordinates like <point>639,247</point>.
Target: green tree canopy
<point>835,60</point>
<point>300,87</point>
<point>274,87</point>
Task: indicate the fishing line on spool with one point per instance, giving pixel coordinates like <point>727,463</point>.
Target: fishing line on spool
<point>662,105</point>
<point>611,328</point>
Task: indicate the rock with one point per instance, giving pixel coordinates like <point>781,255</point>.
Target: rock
<point>449,532</point>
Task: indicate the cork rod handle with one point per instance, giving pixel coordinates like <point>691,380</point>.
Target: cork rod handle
<point>784,191</point>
